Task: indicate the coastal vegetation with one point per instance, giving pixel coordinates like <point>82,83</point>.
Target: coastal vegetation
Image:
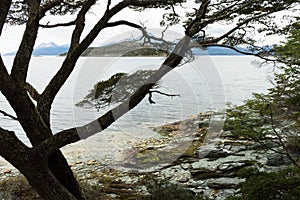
<point>273,121</point>
<point>46,168</point>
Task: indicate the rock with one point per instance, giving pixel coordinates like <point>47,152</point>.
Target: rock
<point>217,153</point>
<point>185,166</point>
<point>200,171</point>
<point>232,166</point>
<point>203,124</point>
<point>236,142</point>
<point>7,171</point>
<point>203,173</point>
<point>183,177</point>
<point>224,183</point>
<point>91,162</point>
<point>112,196</point>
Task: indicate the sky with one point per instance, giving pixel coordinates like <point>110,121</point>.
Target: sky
<point>12,35</point>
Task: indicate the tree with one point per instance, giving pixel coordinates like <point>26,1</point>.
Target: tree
<point>43,164</point>
<point>277,113</point>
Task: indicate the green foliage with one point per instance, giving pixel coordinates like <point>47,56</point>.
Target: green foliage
<point>19,11</point>
<point>145,52</point>
<point>247,172</point>
<point>167,5</point>
<point>290,51</point>
<point>273,119</point>
<point>250,120</point>
<point>281,185</point>
<point>107,84</point>
<point>164,190</point>
<point>114,90</point>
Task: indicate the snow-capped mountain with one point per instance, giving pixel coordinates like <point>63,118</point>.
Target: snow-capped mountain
<point>46,45</point>
<point>47,49</point>
<point>50,49</point>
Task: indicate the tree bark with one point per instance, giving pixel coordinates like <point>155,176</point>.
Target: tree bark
<point>44,182</point>
<point>4,8</point>
<point>61,170</point>
<point>36,130</point>
<point>33,165</point>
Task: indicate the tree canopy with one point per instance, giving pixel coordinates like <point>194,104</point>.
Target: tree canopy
<point>43,164</point>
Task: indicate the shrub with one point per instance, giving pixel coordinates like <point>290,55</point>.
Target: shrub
<point>281,185</point>
<point>164,190</point>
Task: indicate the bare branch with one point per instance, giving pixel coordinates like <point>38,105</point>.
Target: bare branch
<point>80,23</point>
<point>108,5</point>
<point>8,115</point>
<point>142,29</point>
<point>262,55</point>
<point>47,97</point>
<point>57,25</point>
<point>3,73</point>
<point>159,92</point>
<point>23,56</point>
<point>237,27</point>
<point>23,106</point>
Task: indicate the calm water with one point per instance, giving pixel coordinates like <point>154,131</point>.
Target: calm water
<point>205,84</point>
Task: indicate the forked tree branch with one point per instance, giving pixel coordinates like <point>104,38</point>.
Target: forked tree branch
<point>75,134</point>
<point>142,29</point>
<point>173,60</point>
<point>26,112</point>
<point>32,91</point>
<point>159,92</point>
<point>48,95</point>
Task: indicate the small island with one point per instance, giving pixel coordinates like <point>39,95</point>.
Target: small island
<point>124,49</point>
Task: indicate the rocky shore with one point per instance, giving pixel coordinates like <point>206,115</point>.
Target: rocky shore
<point>194,153</point>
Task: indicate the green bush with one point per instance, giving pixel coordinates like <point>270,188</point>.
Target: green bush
<point>164,190</point>
<point>281,185</point>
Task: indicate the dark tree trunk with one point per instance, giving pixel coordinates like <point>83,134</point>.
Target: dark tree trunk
<point>61,170</point>
<point>44,182</point>
<point>33,164</point>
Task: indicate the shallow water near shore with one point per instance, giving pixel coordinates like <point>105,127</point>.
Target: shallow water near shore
<point>205,84</point>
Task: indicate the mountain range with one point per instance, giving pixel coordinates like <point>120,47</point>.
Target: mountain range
<point>123,48</point>
<point>47,49</point>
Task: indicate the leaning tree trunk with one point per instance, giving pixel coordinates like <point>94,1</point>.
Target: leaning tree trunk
<point>44,182</point>
<point>33,164</point>
<point>61,170</point>
<point>37,131</point>
<point>58,166</point>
